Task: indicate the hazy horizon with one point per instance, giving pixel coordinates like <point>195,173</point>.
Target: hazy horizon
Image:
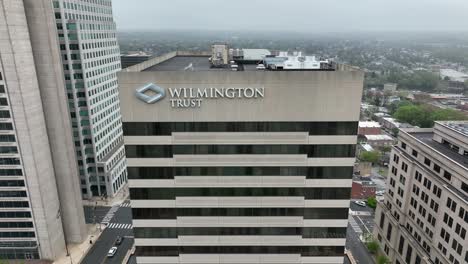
<point>297,16</point>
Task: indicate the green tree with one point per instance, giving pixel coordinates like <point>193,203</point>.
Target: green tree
<point>382,260</point>
<point>415,115</point>
<point>370,156</point>
<point>373,246</point>
<point>372,202</point>
<point>448,114</point>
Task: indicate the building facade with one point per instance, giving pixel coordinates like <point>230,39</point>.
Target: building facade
<point>40,199</point>
<point>424,216</point>
<point>91,59</point>
<point>244,166</point>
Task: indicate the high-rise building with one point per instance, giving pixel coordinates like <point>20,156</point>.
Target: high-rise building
<point>424,217</point>
<point>91,60</point>
<point>40,198</point>
<point>234,162</point>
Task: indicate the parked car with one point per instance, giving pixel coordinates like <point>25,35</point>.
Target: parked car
<point>118,241</point>
<point>379,193</point>
<point>360,203</point>
<point>112,251</point>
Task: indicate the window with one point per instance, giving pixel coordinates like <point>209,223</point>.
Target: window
<point>414,153</point>
<point>437,191</point>
<point>396,158</point>
<point>3,102</point>
<point>403,145</point>
<point>448,220</point>
<point>436,168</point>
<point>427,183</point>
<point>464,187</point>
<point>382,220</point>
<point>404,167</point>
<point>2,88</point>
<point>427,162</point>
<point>418,176</point>
<point>389,231</point>
<point>451,204</point>
<point>401,244</point>
<point>409,252</point>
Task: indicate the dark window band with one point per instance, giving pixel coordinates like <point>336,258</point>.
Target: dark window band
<point>13,194</point>
<point>308,172</point>
<point>167,151</point>
<point>173,213</point>
<point>16,224</point>
<point>15,215</point>
<point>172,193</point>
<point>17,234</point>
<point>305,232</point>
<point>176,250</point>
<point>167,128</point>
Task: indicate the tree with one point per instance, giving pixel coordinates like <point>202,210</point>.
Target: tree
<point>370,156</point>
<point>448,114</point>
<point>372,202</point>
<point>382,260</point>
<point>373,246</point>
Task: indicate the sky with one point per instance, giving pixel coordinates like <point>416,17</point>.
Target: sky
<point>292,15</point>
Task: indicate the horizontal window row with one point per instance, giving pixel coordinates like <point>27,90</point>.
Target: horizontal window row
<point>8,150</point>
<point>17,244</point>
<point>13,194</point>
<point>14,204</point>
<point>17,234</point>
<point>16,224</point>
<point>6,126</point>
<point>15,214</point>
<point>11,183</point>
<point>5,114</point>
<point>305,232</point>
<point>173,213</point>
<point>11,172</point>
<point>308,172</point>
<point>327,251</point>
<point>173,193</point>
<point>9,161</point>
<point>7,138</point>
<point>167,151</point>
<point>19,253</point>
<point>167,128</point>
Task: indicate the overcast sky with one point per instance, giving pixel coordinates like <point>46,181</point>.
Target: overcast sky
<point>293,15</point>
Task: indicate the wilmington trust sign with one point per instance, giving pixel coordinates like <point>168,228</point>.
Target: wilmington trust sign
<point>193,97</point>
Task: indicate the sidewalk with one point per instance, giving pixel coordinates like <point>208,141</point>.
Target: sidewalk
<point>119,198</point>
<point>78,251</point>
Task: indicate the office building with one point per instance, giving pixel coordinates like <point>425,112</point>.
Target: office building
<point>40,198</point>
<point>91,60</point>
<point>424,216</point>
<point>235,161</point>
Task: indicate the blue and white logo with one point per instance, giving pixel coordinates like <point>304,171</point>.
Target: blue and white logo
<point>156,93</point>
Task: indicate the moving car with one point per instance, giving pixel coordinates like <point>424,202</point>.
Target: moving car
<point>360,203</point>
<point>118,241</point>
<point>112,251</point>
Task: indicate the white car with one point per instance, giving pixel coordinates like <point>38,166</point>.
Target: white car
<point>260,67</point>
<point>112,251</point>
<point>379,193</point>
<point>360,203</point>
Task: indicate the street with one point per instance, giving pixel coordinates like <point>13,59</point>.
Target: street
<point>361,221</point>
<point>120,224</point>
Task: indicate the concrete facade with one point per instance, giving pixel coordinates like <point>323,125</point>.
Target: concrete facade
<point>424,218</point>
<point>211,222</point>
<point>37,169</point>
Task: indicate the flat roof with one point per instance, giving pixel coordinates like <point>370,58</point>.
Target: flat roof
<point>199,61</point>
<point>369,124</point>
<point>426,138</point>
<point>378,137</point>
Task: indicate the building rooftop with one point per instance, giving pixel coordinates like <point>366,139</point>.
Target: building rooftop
<point>458,126</point>
<point>369,124</point>
<point>378,137</point>
<point>224,58</point>
<point>427,138</point>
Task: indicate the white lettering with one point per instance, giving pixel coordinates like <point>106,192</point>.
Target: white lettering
<point>259,92</point>
<point>174,92</point>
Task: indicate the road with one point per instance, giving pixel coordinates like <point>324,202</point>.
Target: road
<point>360,221</point>
<point>120,224</point>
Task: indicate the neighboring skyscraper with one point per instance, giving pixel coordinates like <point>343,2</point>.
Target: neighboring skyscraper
<point>40,200</point>
<point>240,163</point>
<point>424,218</point>
<point>91,60</point>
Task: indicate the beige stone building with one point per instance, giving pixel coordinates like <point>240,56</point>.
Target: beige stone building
<point>424,216</point>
